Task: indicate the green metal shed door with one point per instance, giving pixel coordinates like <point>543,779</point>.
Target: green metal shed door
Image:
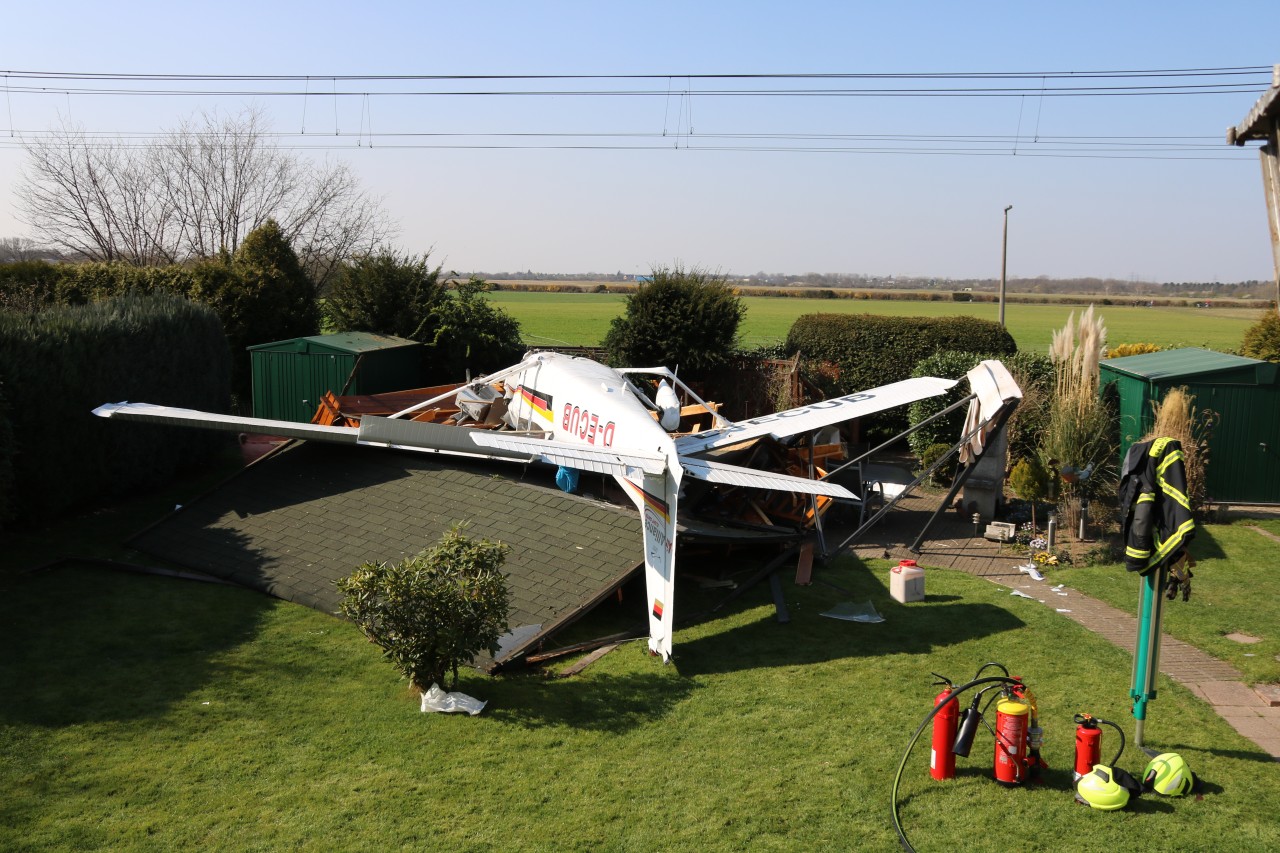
<point>1244,453</point>
<point>294,382</point>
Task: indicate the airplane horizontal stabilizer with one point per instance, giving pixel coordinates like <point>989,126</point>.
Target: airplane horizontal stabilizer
<point>818,415</point>
<point>173,416</point>
<point>735,475</point>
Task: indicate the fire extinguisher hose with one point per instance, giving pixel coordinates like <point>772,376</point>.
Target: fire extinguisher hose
<point>933,712</point>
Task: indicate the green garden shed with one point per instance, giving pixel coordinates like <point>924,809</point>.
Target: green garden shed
<point>289,377</point>
<point>1244,448</point>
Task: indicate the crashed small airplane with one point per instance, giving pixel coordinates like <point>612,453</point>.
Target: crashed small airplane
<point>581,415</point>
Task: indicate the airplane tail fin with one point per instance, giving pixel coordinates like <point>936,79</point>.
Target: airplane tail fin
<point>655,497</point>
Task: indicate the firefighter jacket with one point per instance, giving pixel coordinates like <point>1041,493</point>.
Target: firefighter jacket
<point>1158,524</point>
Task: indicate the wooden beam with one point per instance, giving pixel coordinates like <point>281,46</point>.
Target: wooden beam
<point>586,661</point>
<point>1258,123</point>
<point>804,566</point>
<point>1270,157</point>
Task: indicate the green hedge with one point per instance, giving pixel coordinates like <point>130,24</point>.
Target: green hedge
<point>869,350</point>
<point>56,366</point>
<point>1034,374</point>
<point>8,449</point>
<point>259,296</point>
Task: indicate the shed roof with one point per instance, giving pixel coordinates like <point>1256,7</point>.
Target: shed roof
<point>1178,363</point>
<point>348,342</point>
<point>294,523</point>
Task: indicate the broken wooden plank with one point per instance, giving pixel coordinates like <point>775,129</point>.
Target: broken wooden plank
<point>588,645</point>
<point>587,660</point>
<point>804,566</point>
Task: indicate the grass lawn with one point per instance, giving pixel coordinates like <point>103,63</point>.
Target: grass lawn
<point>142,713</point>
<point>582,319</point>
<point>1235,590</point>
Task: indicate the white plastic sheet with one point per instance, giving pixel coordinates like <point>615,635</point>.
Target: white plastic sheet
<point>854,612</point>
<point>436,700</point>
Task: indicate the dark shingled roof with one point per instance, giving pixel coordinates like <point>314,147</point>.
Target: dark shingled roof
<point>297,521</point>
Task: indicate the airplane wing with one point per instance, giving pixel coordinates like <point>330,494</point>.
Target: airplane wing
<point>818,415</point>
<point>226,423</point>
<point>735,475</point>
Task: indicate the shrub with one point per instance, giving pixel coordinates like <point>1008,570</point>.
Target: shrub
<point>1125,350</point>
<point>1262,339</point>
<point>28,285</point>
<point>682,319</point>
<point>946,471</point>
<point>161,349</point>
<point>431,612</point>
<point>1030,481</point>
<point>1175,417</point>
<point>384,293</point>
<point>1082,429</point>
<point>8,449</point>
<point>469,334</point>
<point>262,296</point>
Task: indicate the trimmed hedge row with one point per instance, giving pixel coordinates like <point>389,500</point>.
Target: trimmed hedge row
<point>259,295</point>
<point>57,365</point>
<point>871,350</point>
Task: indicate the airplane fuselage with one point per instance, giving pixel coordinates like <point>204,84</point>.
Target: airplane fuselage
<point>580,401</point>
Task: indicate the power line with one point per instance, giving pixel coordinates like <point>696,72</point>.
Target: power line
<point>944,75</point>
<point>1183,81</point>
<point>1159,82</point>
<point>961,92</point>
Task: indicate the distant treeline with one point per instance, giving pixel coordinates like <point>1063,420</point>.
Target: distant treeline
<point>1113,287</point>
<point>1183,300</point>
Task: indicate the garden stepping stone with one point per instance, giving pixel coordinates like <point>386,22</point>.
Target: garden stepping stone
<point>1244,638</point>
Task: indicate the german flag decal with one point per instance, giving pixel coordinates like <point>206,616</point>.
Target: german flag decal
<point>656,504</point>
<point>540,403</point>
<point>657,609</point>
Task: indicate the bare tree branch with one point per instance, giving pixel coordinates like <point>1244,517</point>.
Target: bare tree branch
<point>195,194</point>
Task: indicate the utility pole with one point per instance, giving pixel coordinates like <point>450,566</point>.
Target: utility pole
<point>1004,261</point>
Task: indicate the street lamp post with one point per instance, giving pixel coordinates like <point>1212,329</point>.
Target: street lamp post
<point>1004,261</point>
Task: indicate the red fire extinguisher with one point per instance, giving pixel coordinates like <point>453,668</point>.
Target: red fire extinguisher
<point>1088,745</point>
<point>942,760</point>
<point>1013,719</point>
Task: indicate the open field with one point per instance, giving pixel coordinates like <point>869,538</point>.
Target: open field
<point>582,319</point>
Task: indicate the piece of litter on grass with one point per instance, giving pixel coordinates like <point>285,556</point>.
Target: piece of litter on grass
<point>204,703</point>
<point>1058,587</point>
<point>438,701</point>
<point>1063,610</point>
<point>1020,594</point>
<point>852,611</point>
<point>1248,654</point>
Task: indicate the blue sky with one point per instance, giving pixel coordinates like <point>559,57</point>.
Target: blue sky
<point>607,191</point>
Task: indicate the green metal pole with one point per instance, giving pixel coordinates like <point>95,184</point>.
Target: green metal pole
<point>1146,653</point>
